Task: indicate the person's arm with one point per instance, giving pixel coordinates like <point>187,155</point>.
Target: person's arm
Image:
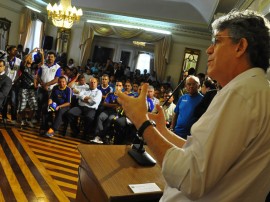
<point>160,121</point>
<point>71,83</point>
<point>156,141</point>
<point>174,119</point>
<point>42,58</point>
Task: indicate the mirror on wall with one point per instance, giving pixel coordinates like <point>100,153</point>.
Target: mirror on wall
<point>4,32</point>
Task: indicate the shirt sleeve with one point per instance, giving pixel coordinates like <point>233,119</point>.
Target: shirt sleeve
<point>216,142</point>
<point>58,72</point>
<point>69,94</point>
<point>96,99</point>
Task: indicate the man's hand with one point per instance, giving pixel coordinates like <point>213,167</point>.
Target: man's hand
<point>86,99</point>
<point>159,118</point>
<point>135,108</point>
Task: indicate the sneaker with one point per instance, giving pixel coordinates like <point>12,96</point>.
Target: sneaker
<point>49,133</point>
<point>29,123</point>
<point>97,140</point>
<point>23,123</point>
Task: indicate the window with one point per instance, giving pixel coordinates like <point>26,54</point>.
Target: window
<point>143,62</point>
<point>33,38</point>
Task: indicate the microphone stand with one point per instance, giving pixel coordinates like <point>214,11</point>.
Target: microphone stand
<point>137,151</point>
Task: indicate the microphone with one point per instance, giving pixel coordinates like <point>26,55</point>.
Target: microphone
<point>137,151</point>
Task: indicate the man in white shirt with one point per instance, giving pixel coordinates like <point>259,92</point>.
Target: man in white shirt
<point>226,158</point>
<point>88,103</point>
<point>47,78</point>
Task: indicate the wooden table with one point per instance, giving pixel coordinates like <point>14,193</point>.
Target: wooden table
<point>106,171</point>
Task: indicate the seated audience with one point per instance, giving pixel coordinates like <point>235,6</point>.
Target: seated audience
<point>88,103</point>
<point>110,111</point>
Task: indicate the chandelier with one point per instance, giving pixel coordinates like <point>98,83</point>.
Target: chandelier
<point>63,15</point>
<point>139,43</point>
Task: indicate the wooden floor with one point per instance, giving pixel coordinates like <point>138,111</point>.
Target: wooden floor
<point>35,168</point>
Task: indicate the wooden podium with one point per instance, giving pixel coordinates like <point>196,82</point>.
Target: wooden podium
<point>106,171</point>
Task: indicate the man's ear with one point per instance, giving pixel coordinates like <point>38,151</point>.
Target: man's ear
<point>241,47</point>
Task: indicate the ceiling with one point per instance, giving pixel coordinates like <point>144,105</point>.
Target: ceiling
<point>190,16</point>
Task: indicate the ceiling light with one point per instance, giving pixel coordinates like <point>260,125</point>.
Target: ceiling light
<point>130,26</point>
<point>64,15</point>
<point>34,9</point>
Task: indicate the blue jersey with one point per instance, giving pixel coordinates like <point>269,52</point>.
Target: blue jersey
<point>106,90</point>
<point>61,96</point>
<point>111,98</point>
<point>185,109</point>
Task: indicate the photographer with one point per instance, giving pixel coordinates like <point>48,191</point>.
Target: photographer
<point>28,85</point>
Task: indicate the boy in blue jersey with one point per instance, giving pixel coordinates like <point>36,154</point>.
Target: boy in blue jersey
<point>104,86</point>
<point>110,112</point>
<point>183,117</point>
<point>61,98</point>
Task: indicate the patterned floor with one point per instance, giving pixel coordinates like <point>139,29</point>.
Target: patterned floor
<point>35,168</point>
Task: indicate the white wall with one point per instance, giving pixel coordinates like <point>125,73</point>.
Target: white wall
<point>75,41</point>
<point>11,11</point>
<point>177,55</point>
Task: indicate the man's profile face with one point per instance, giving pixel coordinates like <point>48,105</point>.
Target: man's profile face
<point>222,57</point>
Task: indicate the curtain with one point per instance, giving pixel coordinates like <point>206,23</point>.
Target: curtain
<point>85,46</point>
<point>27,18</point>
<point>162,43</point>
<point>25,25</point>
<point>162,52</point>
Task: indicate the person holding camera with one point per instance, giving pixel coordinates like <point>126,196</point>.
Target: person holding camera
<point>27,87</point>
